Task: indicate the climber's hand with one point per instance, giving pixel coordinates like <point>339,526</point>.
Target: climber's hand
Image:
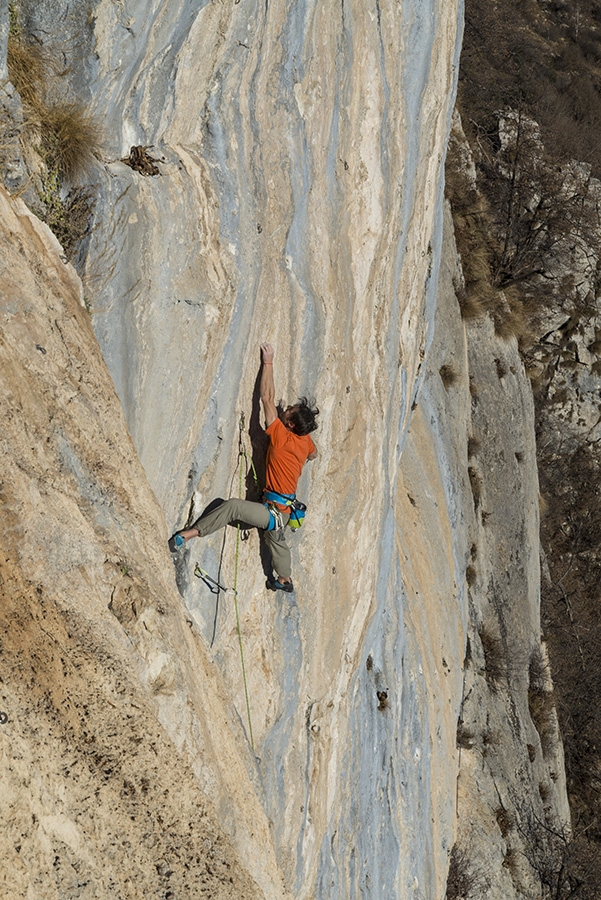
<point>267,354</point>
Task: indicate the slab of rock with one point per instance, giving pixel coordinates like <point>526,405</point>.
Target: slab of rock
<point>122,774</point>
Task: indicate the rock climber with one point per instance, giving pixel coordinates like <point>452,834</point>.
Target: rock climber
<point>290,446</point>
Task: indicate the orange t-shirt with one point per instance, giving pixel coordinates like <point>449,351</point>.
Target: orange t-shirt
<point>286,456</point>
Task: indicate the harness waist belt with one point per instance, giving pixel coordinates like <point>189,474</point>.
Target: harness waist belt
<point>282,499</point>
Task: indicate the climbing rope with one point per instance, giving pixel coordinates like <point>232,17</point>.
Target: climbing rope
<point>241,453</point>
<point>214,585</point>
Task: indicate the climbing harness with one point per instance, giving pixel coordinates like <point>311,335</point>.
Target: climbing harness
<point>276,520</point>
<point>297,509</point>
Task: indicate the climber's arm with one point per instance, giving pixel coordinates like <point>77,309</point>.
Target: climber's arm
<point>267,387</point>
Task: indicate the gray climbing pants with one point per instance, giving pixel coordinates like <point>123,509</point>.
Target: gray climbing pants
<point>256,515</point>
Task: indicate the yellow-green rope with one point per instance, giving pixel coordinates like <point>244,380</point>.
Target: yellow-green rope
<point>241,453</point>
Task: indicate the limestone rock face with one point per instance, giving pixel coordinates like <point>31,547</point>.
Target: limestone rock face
<point>512,810</point>
<point>301,150</point>
<point>121,770</point>
<point>11,113</point>
<point>300,186</point>
<point>298,201</point>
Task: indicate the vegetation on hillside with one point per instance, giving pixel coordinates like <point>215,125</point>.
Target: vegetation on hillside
<point>530,102</point>
<point>542,57</point>
<point>60,138</point>
<point>534,134</point>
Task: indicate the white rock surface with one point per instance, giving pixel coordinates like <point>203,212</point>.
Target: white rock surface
<point>300,202</point>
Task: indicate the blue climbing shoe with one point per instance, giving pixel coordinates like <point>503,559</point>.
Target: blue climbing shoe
<point>277,585</point>
<point>176,542</point>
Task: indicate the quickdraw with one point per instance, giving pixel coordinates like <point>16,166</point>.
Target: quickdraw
<point>211,583</point>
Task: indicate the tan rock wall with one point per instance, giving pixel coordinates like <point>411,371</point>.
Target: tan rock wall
<point>121,773</point>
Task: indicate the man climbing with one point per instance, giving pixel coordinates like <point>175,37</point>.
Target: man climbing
<point>290,446</point>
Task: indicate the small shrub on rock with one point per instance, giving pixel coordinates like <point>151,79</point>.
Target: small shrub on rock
<point>448,375</point>
<point>495,658</point>
<point>541,701</point>
<point>462,879</point>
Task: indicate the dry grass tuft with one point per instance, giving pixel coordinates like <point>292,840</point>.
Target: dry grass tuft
<point>471,305</point>
<point>491,738</point>
<point>509,324</point>
<point>71,137</point>
<point>60,139</point>
<point>64,132</point>
<point>30,67</point>
<point>505,820</point>
<point>545,792</point>
<point>466,737</point>
<point>469,218</point>
<point>513,317</point>
<point>479,293</point>
<point>448,374</point>
<point>541,701</point>
<point>495,658</point>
